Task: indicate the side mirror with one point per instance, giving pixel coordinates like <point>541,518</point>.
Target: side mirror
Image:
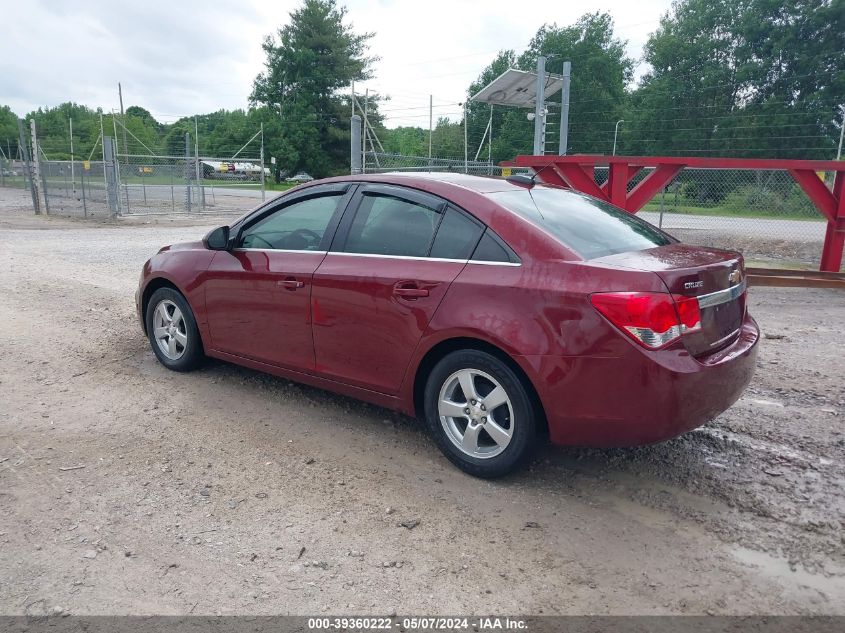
<point>217,239</point>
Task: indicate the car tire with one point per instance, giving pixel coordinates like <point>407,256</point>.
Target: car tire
<point>172,331</point>
<point>488,432</point>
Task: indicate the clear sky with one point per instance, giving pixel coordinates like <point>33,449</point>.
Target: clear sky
<point>179,58</point>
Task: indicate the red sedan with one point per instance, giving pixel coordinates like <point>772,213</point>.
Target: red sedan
<point>495,309</point>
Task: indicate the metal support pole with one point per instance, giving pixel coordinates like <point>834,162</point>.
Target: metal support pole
<point>200,188</point>
<point>72,170</point>
<point>564,110</point>
<point>430,127</point>
<point>117,166</point>
<point>539,107</point>
<point>188,172</point>
<point>84,203</point>
<point>122,118</point>
<point>490,144</point>
<point>466,144</point>
<point>24,154</point>
<point>365,133</point>
<point>355,145</point>
<point>841,133</point>
<point>103,147</point>
<point>36,163</point>
<point>263,191</point>
<point>615,133</point>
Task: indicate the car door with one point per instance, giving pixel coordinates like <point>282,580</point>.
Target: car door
<point>258,293</point>
<point>395,254</point>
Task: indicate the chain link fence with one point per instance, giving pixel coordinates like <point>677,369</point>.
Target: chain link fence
<point>12,172</point>
<point>75,188</point>
<point>764,214</point>
<point>151,184</point>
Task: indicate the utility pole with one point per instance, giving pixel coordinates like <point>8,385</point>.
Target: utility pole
<point>564,110</point>
<point>122,118</point>
<point>539,108</point>
<point>72,173</point>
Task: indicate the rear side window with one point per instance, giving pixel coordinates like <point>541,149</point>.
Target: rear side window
<point>490,249</point>
<point>456,237</point>
<point>386,225</point>
<point>589,227</point>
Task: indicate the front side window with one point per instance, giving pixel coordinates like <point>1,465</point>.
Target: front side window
<point>588,226</point>
<point>299,226</point>
<point>388,225</point>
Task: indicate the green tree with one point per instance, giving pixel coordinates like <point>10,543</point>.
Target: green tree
<point>8,130</point>
<point>308,62</point>
<point>741,78</point>
<point>600,73</point>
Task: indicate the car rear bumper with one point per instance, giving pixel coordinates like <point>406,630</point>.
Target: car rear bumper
<point>641,397</point>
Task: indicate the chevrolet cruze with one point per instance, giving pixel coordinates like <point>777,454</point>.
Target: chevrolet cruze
<point>498,310</point>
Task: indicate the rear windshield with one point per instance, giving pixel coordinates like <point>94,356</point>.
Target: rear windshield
<point>588,226</point>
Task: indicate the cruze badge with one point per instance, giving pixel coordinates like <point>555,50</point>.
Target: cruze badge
<point>693,284</point>
<point>735,277</point>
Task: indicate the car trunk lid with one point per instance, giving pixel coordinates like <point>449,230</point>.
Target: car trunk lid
<point>716,277</point>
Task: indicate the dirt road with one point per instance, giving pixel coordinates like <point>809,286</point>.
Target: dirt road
<point>126,488</point>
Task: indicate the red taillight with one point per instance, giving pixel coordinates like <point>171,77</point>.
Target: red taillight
<point>652,319</point>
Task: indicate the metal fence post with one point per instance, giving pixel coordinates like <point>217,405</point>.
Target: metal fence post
<point>200,186</point>
<point>84,203</point>
<point>36,165</point>
<point>28,171</point>
<point>110,174</point>
<point>188,172</point>
<point>355,145</point>
<point>263,192</point>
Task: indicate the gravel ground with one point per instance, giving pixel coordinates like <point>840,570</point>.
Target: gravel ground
<point>130,489</point>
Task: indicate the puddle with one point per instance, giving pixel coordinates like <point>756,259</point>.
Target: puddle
<point>778,569</point>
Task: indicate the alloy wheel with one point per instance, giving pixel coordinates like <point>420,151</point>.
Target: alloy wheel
<point>169,329</point>
<point>476,413</point>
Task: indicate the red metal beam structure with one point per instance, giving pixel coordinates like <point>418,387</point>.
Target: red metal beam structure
<point>577,172</point>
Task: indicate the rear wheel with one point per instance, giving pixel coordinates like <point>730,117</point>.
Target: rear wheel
<point>480,413</point>
<point>172,330</point>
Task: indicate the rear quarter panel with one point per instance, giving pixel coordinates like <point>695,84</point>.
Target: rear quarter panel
<point>532,311</point>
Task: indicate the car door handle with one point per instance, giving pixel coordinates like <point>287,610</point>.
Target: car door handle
<point>409,291</point>
<point>291,283</point>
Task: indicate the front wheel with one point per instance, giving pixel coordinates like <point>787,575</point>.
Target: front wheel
<point>480,413</point>
<point>172,330</point>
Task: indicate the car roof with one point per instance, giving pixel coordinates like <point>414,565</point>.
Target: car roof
<point>424,180</point>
